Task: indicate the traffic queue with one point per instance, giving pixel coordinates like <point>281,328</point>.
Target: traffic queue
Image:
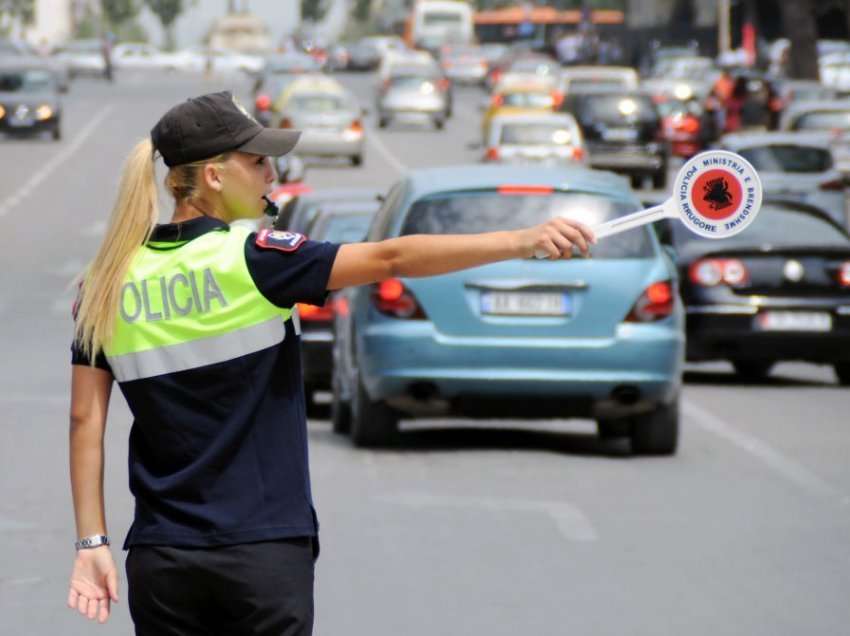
<point>604,338</point>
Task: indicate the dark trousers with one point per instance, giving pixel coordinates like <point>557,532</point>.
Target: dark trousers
<point>257,588</point>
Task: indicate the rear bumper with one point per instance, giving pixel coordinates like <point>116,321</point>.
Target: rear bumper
<point>30,128</point>
<point>413,367</point>
<point>716,335</point>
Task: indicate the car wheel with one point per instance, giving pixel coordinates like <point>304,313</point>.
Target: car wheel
<point>754,370</point>
<point>842,371</point>
<point>373,423</point>
<point>382,122</point>
<point>57,133</point>
<point>357,160</point>
<point>637,181</point>
<point>340,410</point>
<point>659,179</point>
<point>656,432</point>
<point>439,123</point>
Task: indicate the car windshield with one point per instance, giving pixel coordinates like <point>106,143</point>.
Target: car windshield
<point>616,108</point>
<point>776,225</point>
<point>532,133</point>
<point>527,100</point>
<point>824,120</point>
<point>788,158</point>
<point>342,228</point>
<point>469,212</point>
<point>25,81</point>
<point>318,103</point>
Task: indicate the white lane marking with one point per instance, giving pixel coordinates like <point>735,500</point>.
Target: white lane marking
<point>22,193</point>
<point>788,468</point>
<point>374,138</point>
<point>572,523</point>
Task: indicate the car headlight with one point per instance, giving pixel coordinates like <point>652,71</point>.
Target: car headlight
<point>2,112</point>
<point>43,112</point>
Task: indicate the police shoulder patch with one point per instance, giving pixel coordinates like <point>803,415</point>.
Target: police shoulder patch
<point>280,240</point>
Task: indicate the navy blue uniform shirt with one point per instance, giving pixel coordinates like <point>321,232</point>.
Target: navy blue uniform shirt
<point>218,454</point>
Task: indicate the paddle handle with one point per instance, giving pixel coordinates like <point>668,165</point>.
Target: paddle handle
<point>628,222</point>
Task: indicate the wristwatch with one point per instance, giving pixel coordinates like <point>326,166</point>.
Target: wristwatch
<point>94,541</point>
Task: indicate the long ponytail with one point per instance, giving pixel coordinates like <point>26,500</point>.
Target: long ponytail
<point>130,224</point>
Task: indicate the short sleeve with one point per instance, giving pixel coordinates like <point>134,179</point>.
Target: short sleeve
<point>288,275</point>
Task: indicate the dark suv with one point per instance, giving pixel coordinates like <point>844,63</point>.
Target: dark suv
<point>623,133</point>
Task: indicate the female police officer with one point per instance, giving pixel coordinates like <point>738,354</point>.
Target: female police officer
<point>193,319</point>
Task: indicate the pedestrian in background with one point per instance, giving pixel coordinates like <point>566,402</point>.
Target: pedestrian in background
<point>195,320</point>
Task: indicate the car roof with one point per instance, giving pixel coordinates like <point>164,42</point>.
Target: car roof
<point>745,140</point>
<point>795,109</point>
<point>429,181</point>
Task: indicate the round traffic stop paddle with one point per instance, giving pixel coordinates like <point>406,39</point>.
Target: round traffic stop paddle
<point>716,194</point>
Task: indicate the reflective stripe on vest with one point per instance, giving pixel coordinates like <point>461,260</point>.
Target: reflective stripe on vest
<point>189,307</point>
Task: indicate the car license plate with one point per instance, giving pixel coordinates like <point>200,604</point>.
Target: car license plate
<point>21,122</point>
<point>525,304</point>
<point>794,321</point>
<point>620,134</point>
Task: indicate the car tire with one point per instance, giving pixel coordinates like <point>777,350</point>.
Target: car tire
<point>842,372</point>
<point>383,122</point>
<point>659,179</point>
<point>357,160</point>
<point>340,410</point>
<point>57,133</point>
<point>439,123</point>
<point>373,423</point>
<point>753,370</point>
<point>656,432</point>
<point>636,181</point>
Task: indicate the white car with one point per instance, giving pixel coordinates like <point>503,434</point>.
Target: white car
<point>539,138</point>
<point>196,60</point>
<point>82,57</point>
<point>138,55</point>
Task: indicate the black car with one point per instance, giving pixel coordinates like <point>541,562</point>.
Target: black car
<point>779,290</point>
<point>337,223</point>
<point>623,133</point>
<point>29,100</point>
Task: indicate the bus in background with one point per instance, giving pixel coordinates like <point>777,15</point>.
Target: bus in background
<point>433,23</point>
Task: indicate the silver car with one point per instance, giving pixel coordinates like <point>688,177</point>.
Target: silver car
<point>544,138</point>
<point>464,64</point>
<point>795,166</point>
<point>328,116</point>
<point>414,94</point>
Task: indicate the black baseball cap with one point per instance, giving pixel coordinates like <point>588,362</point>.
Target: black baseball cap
<point>209,125</point>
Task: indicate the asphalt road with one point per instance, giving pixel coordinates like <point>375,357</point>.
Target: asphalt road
<point>485,528</point>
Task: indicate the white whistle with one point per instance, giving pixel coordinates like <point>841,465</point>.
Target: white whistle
<point>716,194</point>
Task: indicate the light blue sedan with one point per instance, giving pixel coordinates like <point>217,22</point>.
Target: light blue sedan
<point>601,337</point>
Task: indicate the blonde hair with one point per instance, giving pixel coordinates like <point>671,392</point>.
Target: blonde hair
<point>130,225</point>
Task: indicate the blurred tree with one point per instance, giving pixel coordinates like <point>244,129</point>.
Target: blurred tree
<point>118,12</point>
<point>167,11</point>
<point>799,20</point>
<point>20,10</point>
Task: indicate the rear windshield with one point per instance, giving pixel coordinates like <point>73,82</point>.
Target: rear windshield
<point>24,81</point>
<point>824,120</point>
<point>412,82</point>
<point>617,108</point>
<point>318,103</point>
<point>342,228</point>
<point>536,134</point>
<point>488,211</point>
<point>778,226</point>
<point>788,158</point>
<point>527,100</point>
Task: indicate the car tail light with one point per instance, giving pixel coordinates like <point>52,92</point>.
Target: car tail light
<point>286,122</point>
<point>525,189</point>
<point>557,99</point>
<point>492,154</point>
<point>844,274</point>
<point>578,154</point>
<point>496,75</point>
<point>443,84</point>
<point>264,102</point>
<point>313,313</point>
<point>709,272</point>
<point>356,126</point>
<point>832,184</point>
<point>497,100</point>
<point>688,124</point>
<point>655,303</point>
<point>392,298</point>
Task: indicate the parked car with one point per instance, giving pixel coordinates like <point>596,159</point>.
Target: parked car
<point>337,222</point>
<point>328,116</point>
<point>139,55</point>
<point>29,99</point>
<point>779,291</point>
<point>600,337</point>
<point>542,138</point>
<point>623,133</point>
<point>794,166</point>
<point>82,57</point>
